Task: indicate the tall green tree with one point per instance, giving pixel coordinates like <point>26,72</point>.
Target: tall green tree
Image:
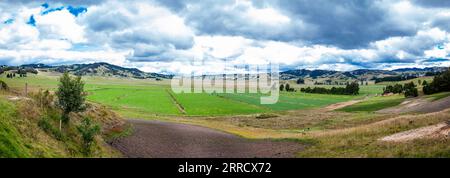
<point>71,96</point>
<point>281,87</point>
<point>287,87</point>
<point>440,83</point>
<point>352,88</point>
<point>410,90</point>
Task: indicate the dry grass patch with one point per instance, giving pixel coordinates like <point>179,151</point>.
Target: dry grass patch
<point>362,141</point>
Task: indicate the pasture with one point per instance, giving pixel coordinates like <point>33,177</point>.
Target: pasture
<point>133,98</point>
<point>375,104</point>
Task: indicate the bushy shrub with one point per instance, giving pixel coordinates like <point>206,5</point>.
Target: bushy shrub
<point>88,131</point>
<point>440,83</point>
<point>45,125</point>
<point>44,98</point>
<point>3,86</point>
<point>287,87</point>
<point>397,88</point>
<point>410,90</point>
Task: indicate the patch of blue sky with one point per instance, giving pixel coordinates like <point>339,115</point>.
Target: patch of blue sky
<point>73,10</point>
<point>9,21</point>
<point>76,10</point>
<point>45,5</point>
<point>85,47</point>
<point>52,10</point>
<point>32,21</point>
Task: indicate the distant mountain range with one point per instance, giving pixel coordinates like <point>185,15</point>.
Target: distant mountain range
<point>105,69</point>
<point>360,74</point>
<point>97,69</point>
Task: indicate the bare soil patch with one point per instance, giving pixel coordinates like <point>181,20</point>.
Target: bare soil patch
<point>418,105</point>
<point>171,140</point>
<point>433,131</point>
<point>341,105</point>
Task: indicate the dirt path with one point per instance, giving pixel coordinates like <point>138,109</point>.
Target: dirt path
<point>438,130</point>
<point>342,105</point>
<point>418,105</point>
<point>171,140</point>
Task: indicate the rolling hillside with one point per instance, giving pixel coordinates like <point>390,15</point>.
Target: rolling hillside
<point>93,69</point>
<point>360,74</point>
<point>30,130</point>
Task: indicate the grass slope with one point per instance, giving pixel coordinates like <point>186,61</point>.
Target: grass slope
<point>437,96</point>
<point>27,130</point>
<point>363,140</point>
<point>11,145</point>
<point>375,104</point>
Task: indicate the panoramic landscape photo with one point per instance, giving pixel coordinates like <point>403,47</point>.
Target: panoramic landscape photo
<point>224,79</point>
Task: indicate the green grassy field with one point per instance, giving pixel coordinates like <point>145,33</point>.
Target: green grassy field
<point>375,104</point>
<point>438,96</point>
<point>133,98</point>
<point>353,133</point>
<point>10,144</point>
<point>291,100</point>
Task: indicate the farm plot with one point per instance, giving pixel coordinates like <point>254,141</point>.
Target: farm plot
<point>151,100</point>
<point>209,104</point>
<point>375,104</point>
<point>291,101</point>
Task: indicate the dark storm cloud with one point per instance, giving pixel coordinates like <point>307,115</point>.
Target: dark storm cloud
<point>442,22</point>
<point>108,21</point>
<point>346,24</point>
<point>224,17</point>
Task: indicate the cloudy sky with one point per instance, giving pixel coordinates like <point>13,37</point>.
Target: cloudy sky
<point>167,35</point>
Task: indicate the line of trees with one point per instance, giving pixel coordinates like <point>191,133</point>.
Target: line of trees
<point>287,88</point>
<point>395,89</point>
<point>350,89</point>
<point>395,78</point>
<point>13,75</point>
<point>409,89</point>
<point>440,83</point>
<point>10,75</point>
